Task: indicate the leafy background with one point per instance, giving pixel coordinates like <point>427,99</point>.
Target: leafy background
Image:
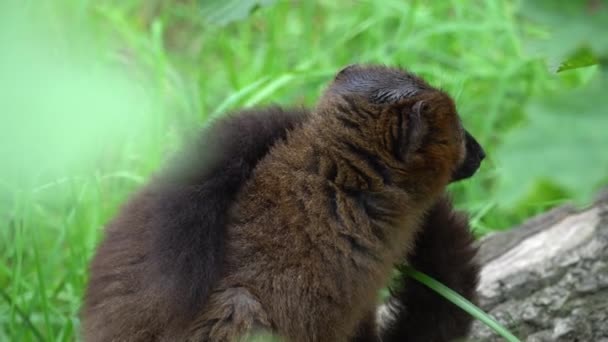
<point>95,95</point>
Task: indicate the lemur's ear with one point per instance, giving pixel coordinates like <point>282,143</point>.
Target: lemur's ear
<point>412,129</point>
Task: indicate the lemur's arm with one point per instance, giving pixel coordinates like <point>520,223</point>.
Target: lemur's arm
<point>445,251</point>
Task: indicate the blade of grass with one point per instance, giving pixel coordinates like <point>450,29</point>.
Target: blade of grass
<point>41,288</point>
<point>237,96</point>
<point>462,303</point>
<point>22,314</point>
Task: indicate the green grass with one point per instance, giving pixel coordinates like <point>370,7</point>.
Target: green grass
<point>66,177</point>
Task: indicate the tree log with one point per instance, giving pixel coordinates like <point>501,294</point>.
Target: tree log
<point>547,280</point>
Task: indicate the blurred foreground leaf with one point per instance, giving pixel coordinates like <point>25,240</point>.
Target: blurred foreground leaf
<point>62,106</point>
<point>573,25</point>
<point>564,142</point>
<point>562,146</point>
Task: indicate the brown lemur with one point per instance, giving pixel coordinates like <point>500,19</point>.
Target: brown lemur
<point>291,221</point>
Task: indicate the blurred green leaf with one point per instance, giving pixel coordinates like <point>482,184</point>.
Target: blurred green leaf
<point>564,141</point>
<point>223,12</point>
<point>573,25</point>
<point>60,109</point>
<point>580,59</point>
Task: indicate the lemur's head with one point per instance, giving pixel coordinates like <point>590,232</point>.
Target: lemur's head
<point>413,127</point>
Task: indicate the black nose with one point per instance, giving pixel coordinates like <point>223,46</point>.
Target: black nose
<point>481,154</point>
<point>473,156</point>
<point>473,148</point>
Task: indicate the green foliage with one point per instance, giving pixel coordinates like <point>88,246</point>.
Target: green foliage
<point>95,102</point>
<point>564,138</point>
<point>572,24</point>
<point>564,141</point>
<point>227,11</point>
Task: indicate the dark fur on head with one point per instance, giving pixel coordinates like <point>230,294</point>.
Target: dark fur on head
<point>378,84</point>
<point>381,85</point>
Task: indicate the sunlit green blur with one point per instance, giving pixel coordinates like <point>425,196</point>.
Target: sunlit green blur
<point>62,103</point>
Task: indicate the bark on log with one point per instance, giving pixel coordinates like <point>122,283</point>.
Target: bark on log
<point>547,280</point>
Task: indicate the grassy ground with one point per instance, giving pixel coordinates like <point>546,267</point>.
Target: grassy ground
<point>71,174</point>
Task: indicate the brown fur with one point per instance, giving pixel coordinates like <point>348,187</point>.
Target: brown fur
<point>444,250</point>
<point>326,214</point>
<point>312,235</point>
<point>164,251</point>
